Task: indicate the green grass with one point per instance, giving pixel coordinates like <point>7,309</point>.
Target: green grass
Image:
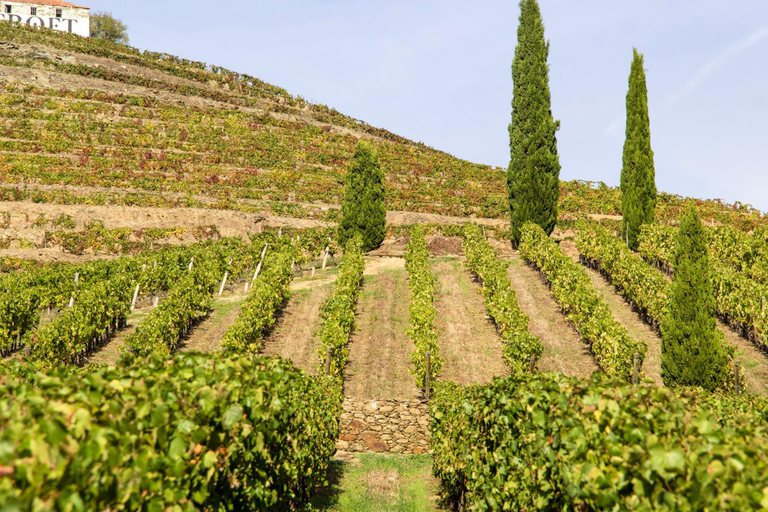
<point>379,483</point>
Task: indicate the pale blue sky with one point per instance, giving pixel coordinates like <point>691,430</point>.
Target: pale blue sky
<point>438,71</point>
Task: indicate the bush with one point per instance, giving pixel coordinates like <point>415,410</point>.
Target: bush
<point>363,212</point>
<point>195,432</point>
<point>556,443</point>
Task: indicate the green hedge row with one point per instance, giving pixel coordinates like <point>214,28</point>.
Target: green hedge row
<point>572,288</point>
<point>422,309</point>
<point>740,293</point>
<point>257,313</point>
<point>338,312</point>
<point>500,300</point>
<point>96,312</point>
<point>556,443</point>
<point>194,432</point>
<point>188,301</point>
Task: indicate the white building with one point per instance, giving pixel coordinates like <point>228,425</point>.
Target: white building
<point>53,14</point>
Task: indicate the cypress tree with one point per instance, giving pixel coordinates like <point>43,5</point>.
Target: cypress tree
<point>533,177</point>
<point>692,350</point>
<point>638,177</point>
<point>363,210</point>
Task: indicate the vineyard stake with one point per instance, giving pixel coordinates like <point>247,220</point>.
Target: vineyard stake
<point>635,361</point>
<point>325,257</point>
<point>426,374</point>
<point>261,262</point>
<point>293,266</point>
<point>737,378</point>
<point>72,297</point>
<point>223,283</point>
<point>313,271</point>
<point>532,363</point>
<point>135,296</point>
<point>191,262</point>
<point>328,355</point>
<point>280,232</point>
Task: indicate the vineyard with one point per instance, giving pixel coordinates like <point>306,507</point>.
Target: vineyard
<point>181,329</point>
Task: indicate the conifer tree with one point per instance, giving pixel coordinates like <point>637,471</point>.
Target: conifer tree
<point>533,177</point>
<point>363,210</point>
<point>638,177</point>
<point>692,350</point>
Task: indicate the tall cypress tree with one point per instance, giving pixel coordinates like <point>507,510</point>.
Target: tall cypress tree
<point>692,350</point>
<point>363,208</point>
<point>533,177</point>
<point>638,177</point>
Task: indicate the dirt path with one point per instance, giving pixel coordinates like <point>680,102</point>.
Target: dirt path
<point>379,349</point>
<point>753,361</point>
<point>111,351</point>
<point>636,328</point>
<point>206,336</point>
<point>563,350</point>
<point>294,334</point>
<point>468,341</point>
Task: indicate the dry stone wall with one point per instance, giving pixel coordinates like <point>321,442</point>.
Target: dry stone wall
<point>395,426</point>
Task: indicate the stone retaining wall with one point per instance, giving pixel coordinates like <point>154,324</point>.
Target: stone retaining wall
<point>395,426</point>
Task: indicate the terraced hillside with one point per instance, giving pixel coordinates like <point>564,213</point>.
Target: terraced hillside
<point>90,122</point>
<point>153,204</point>
<point>86,113</point>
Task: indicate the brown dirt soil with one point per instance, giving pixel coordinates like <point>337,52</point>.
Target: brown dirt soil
<point>206,336</point>
<point>230,223</point>
<point>563,350</point>
<point>52,255</point>
<point>468,341</point>
<point>438,246</point>
<point>293,336</point>
<point>379,350</point>
<point>753,361</point>
<point>111,351</point>
<point>636,328</point>
<point>444,245</point>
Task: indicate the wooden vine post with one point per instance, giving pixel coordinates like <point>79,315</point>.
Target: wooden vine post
<point>427,374</point>
<point>261,262</point>
<point>328,355</point>
<point>72,297</point>
<point>532,364</point>
<point>224,280</point>
<point>325,257</point>
<point>635,369</point>
<point>737,378</point>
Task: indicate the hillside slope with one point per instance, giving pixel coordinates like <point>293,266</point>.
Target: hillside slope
<point>88,113</point>
<point>89,121</point>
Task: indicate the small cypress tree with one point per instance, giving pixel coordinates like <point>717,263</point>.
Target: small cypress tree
<point>533,177</point>
<point>638,177</point>
<point>363,210</point>
<point>692,350</point>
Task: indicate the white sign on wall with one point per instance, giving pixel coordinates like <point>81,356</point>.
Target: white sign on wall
<point>75,20</point>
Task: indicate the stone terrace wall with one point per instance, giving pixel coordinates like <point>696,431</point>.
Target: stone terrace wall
<point>395,426</point>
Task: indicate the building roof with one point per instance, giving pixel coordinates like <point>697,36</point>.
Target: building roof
<point>54,3</point>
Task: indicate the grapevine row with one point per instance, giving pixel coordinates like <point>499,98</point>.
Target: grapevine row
<point>572,288</point>
<point>741,301</point>
<point>338,311</point>
<point>257,313</point>
<point>519,345</point>
<point>641,284</point>
<point>193,432</point>
<point>422,309</point>
<point>551,442</point>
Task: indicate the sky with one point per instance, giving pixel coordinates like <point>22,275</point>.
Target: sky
<point>439,71</point>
